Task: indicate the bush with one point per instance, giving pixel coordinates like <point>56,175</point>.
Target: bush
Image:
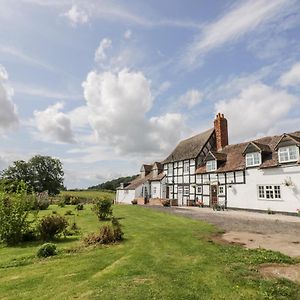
<point>165,202</point>
<point>42,201</point>
<point>14,210</point>
<point>118,233</point>
<point>73,229</point>
<point>74,200</point>
<point>66,199</point>
<point>52,226</point>
<point>134,201</point>
<point>108,234</point>
<point>79,206</point>
<point>102,208</point>
<point>61,203</point>
<point>46,250</point>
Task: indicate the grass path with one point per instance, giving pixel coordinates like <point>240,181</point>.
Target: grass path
<point>162,257</point>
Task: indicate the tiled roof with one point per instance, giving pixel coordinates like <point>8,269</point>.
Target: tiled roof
<point>189,148</point>
<point>139,180</point>
<point>236,161</point>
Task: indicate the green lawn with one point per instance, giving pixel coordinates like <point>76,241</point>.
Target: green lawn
<point>89,194</point>
<point>162,257</point>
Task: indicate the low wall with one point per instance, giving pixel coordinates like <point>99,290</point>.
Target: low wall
<point>140,201</point>
<point>155,201</point>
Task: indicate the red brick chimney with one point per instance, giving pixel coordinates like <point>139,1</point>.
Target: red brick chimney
<point>221,131</point>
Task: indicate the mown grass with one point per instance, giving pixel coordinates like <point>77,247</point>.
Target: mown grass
<point>89,194</point>
<point>162,257</point>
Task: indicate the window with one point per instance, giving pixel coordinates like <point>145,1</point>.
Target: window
<point>287,154</point>
<point>199,189</point>
<point>253,159</point>
<point>221,190</point>
<point>269,192</point>
<point>211,165</point>
<point>154,190</point>
<point>186,167</point>
<point>186,190</point>
<point>170,169</point>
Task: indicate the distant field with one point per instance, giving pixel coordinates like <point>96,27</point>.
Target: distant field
<point>162,257</point>
<point>90,194</point>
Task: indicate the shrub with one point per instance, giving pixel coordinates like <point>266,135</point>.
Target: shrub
<point>46,250</point>
<point>61,203</point>
<point>30,235</point>
<point>74,200</point>
<point>42,201</point>
<point>102,208</point>
<point>79,206</point>
<point>51,226</point>
<point>134,201</point>
<point>14,210</point>
<point>66,199</point>
<point>118,233</point>
<point>108,234</point>
<point>73,229</point>
<point>165,202</point>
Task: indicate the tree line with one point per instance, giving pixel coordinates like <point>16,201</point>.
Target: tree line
<point>113,184</point>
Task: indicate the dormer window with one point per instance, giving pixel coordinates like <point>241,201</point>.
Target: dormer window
<point>211,165</point>
<point>288,154</point>
<point>253,159</point>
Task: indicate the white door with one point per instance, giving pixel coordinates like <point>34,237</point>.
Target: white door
<point>180,194</point>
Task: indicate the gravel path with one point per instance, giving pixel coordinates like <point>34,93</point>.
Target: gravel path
<point>243,221</point>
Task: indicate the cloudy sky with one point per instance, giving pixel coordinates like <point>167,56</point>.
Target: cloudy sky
<point>107,84</point>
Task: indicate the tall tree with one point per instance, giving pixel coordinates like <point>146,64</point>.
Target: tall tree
<point>41,173</point>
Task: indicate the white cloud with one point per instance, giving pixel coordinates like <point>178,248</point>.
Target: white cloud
<point>76,15</point>
<point>292,77</point>
<point>118,104</point>
<point>8,111</point>
<point>240,20</point>
<point>53,125</point>
<point>100,54</point>
<point>256,110</point>
<point>191,98</point>
<point>127,34</point>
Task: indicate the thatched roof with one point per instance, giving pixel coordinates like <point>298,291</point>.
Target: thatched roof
<point>189,148</point>
<point>235,160</point>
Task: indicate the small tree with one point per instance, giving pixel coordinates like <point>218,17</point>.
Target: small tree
<point>102,208</point>
<point>14,210</point>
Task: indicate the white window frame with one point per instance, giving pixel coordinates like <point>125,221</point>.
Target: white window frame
<point>186,190</point>
<point>211,165</point>
<point>170,169</point>
<point>288,151</point>
<point>269,192</point>
<point>253,159</point>
<point>221,190</point>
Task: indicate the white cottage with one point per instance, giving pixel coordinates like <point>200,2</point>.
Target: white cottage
<point>150,184</point>
<point>261,174</point>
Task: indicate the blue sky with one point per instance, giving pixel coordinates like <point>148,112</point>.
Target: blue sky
<point>106,85</point>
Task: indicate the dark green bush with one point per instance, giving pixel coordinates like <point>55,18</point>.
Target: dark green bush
<point>46,250</point>
<point>52,226</point>
<point>30,235</point>
<point>118,233</point>
<point>79,206</point>
<point>102,208</point>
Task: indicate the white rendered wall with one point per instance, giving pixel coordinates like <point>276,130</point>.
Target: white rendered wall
<point>246,196</point>
<point>125,196</point>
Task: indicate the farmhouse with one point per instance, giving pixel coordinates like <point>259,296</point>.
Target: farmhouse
<point>262,174</point>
